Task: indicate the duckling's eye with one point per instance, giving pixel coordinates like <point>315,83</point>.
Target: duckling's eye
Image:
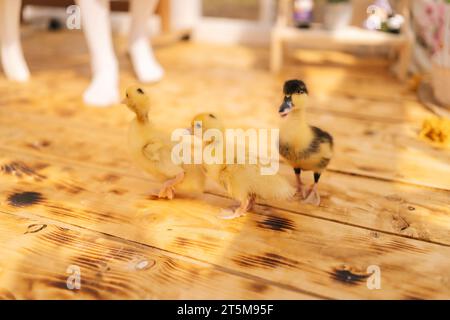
<point>127,95</point>
<point>139,90</point>
<point>198,125</point>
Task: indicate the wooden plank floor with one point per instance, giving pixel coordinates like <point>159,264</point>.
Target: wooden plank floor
<point>69,194</point>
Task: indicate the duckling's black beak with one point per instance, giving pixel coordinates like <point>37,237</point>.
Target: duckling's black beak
<point>286,106</point>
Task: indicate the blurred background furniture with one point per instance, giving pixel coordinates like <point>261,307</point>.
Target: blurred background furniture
<point>355,35</point>
<point>136,22</point>
<point>72,199</point>
<point>163,9</point>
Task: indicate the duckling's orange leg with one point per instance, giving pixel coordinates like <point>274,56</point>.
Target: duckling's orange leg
<point>168,188</point>
<point>313,196</point>
<point>240,211</point>
<point>301,189</point>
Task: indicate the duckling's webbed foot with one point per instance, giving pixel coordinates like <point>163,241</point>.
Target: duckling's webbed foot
<point>302,191</point>
<point>228,214</point>
<point>301,188</point>
<point>167,192</point>
<point>313,196</point>
<point>168,189</point>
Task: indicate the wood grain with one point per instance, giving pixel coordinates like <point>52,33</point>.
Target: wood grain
<point>418,212</point>
<point>37,252</point>
<point>375,149</point>
<point>375,204</point>
<point>384,114</point>
<point>385,199</point>
<point>304,252</point>
<point>361,82</point>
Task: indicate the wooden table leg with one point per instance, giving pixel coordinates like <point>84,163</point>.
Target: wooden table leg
<point>404,60</point>
<point>276,52</point>
<point>163,10</point>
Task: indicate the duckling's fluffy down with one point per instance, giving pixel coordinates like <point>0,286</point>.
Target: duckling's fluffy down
<point>242,180</point>
<point>194,180</point>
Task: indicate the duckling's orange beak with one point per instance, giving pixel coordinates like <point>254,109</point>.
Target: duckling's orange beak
<point>124,101</point>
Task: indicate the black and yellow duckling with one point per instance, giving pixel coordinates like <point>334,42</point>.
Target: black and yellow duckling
<point>305,147</point>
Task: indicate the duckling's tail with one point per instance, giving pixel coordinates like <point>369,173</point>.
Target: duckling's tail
<point>193,183</point>
<point>275,187</point>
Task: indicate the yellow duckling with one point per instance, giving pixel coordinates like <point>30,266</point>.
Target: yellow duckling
<point>243,182</point>
<point>305,147</point>
<point>152,150</point>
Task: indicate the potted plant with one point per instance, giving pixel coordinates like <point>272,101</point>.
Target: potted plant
<point>337,14</point>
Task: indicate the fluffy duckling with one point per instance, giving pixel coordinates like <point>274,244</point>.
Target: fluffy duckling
<point>305,147</point>
<point>152,150</point>
<point>243,182</point>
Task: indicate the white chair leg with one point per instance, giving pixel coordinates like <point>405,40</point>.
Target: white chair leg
<point>146,67</point>
<point>12,58</point>
<point>104,87</point>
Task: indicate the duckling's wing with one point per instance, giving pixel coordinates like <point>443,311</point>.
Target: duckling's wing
<point>159,156</point>
<point>152,150</point>
<point>322,136</point>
